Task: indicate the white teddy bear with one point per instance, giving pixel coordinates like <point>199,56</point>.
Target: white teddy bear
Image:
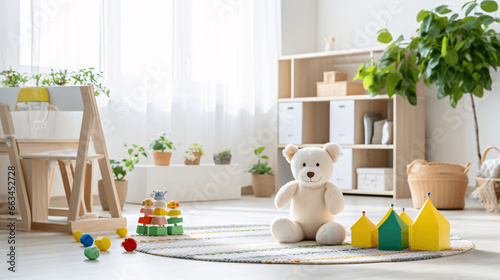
<point>314,200</point>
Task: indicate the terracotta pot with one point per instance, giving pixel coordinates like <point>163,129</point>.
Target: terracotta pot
<point>263,185</point>
<point>222,160</point>
<point>194,162</point>
<point>121,189</point>
<point>447,183</point>
<point>162,158</point>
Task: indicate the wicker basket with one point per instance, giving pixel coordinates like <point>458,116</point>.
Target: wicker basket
<point>482,181</point>
<point>447,183</point>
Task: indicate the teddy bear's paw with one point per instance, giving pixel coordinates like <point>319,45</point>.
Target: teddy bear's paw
<point>331,234</point>
<point>286,231</point>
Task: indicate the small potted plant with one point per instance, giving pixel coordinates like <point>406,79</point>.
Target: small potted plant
<point>262,176</point>
<point>120,169</point>
<point>223,157</point>
<point>193,155</point>
<point>159,145</point>
<point>13,78</point>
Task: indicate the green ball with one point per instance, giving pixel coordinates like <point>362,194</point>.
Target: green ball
<point>92,253</point>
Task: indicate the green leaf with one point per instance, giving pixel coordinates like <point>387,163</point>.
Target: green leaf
<point>392,82</point>
<point>443,9</point>
<point>444,46</point>
<point>266,157</point>
<point>422,15</point>
<point>433,62</point>
<point>384,37</point>
<point>426,24</point>
<point>368,81</point>
<point>451,57</point>
<point>459,45</point>
<point>489,6</point>
<point>470,8</point>
<point>478,91</point>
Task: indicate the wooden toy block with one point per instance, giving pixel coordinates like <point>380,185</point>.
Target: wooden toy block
<point>142,230</point>
<point>92,253</point>
<point>129,244</point>
<point>86,240</point>
<point>364,233</point>
<point>408,221</point>
<point>175,220</point>
<point>430,231</point>
<point>122,232</point>
<point>174,230</point>
<point>145,220</point>
<point>77,234</point>
<point>158,231</point>
<point>393,233</point>
<point>386,215</point>
<point>103,243</point>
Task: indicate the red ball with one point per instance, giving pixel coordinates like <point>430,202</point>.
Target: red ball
<point>129,244</point>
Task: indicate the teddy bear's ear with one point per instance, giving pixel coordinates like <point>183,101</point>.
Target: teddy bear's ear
<point>289,151</point>
<point>334,150</point>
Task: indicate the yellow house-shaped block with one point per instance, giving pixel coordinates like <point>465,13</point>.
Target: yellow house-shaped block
<point>430,231</point>
<point>386,215</point>
<point>364,233</point>
<point>408,221</point>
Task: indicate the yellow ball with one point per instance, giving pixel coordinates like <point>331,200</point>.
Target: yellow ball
<point>77,234</point>
<point>103,243</point>
<point>122,232</point>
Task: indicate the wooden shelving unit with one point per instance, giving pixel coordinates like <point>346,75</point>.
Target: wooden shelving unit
<point>297,77</point>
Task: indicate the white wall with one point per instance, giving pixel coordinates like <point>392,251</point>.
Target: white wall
<point>298,26</point>
<point>449,132</point>
<point>9,29</point>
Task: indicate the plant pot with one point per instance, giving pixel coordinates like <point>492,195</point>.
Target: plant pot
<point>447,183</point>
<point>162,158</point>
<point>222,160</point>
<point>263,185</point>
<point>121,190</point>
<point>193,162</point>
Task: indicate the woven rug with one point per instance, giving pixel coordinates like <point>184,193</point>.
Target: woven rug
<point>255,244</point>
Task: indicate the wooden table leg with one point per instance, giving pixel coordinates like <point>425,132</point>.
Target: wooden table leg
<point>89,180</point>
<point>36,171</point>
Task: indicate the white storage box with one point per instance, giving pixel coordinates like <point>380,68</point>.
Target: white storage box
<point>342,170</point>
<point>342,122</point>
<point>375,179</point>
<point>290,122</point>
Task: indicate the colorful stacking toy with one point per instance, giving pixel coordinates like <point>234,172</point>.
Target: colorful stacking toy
<point>163,220</point>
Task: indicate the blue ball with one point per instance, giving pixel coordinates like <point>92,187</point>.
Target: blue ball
<point>86,240</point>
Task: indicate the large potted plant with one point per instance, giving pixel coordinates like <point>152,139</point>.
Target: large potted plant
<point>162,149</point>
<point>120,169</point>
<point>453,53</point>
<point>262,176</point>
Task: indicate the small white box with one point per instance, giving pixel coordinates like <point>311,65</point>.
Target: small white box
<point>342,122</point>
<point>375,179</point>
<point>342,170</point>
<point>290,122</point>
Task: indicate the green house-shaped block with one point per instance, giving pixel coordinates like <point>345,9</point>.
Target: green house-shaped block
<point>158,231</point>
<point>175,220</point>
<point>142,230</point>
<point>393,233</point>
<point>174,230</point>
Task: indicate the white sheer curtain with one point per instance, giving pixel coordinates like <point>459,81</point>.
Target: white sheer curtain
<point>205,71</point>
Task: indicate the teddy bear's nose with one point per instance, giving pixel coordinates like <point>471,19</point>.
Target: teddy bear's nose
<point>310,174</point>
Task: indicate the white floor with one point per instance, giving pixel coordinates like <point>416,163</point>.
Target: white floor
<point>43,255</point>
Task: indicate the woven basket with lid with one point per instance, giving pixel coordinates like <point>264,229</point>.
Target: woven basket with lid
<point>446,181</point>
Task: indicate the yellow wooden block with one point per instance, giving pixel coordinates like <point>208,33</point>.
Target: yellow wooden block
<point>364,233</point>
<point>408,221</point>
<point>430,231</point>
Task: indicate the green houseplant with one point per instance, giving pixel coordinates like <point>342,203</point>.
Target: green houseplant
<point>160,144</point>
<point>193,154</point>
<point>223,157</point>
<point>87,76</point>
<point>262,175</point>
<point>120,169</point>
<point>455,54</point>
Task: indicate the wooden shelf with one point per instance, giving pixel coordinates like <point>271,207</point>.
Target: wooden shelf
<point>367,192</point>
<point>297,82</point>
<point>332,98</point>
<point>352,52</point>
<point>360,146</point>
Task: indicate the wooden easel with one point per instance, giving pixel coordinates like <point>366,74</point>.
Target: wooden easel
<point>91,129</point>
